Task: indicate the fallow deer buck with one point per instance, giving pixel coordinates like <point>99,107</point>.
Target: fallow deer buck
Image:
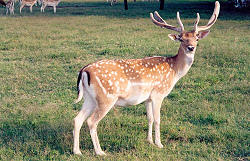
<point>52,3</point>
<point>10,7</point>
<point>107,83</point>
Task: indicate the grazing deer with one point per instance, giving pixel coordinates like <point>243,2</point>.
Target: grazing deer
<point>27,3</point>
<point>241,3</point>
<point>10,7</point>
<point>53,3</point>
<point>2,2</point>
<point>108,83</point>
<point>112,2</point>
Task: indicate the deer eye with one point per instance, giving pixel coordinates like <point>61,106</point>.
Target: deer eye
<point>181,40</point>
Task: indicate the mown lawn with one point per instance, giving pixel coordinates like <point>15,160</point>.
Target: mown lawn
<point>206,116</point>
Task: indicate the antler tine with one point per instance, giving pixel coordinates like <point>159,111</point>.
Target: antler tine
<point>196,22</point>
<point>179,21</point>
<point>156,19</point>
<point>212,19</point>
<point>216,11</point>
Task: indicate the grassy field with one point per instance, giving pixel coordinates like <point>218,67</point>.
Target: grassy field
<point>206,116</point>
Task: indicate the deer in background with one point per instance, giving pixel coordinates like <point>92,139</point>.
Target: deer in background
<point>108,83</point>
<point>112,2</point>
<point>27,3</point>
<point>2,3</point>
<point>10,7</point>
<point>53,3</point>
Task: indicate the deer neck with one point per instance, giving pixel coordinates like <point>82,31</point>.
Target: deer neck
<point>182,62</point>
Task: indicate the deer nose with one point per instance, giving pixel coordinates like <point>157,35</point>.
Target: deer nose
<point>190,48</point>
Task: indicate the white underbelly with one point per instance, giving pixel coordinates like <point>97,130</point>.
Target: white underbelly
<point>52,3</point>
<point>137,95</point>
<point>28,3</point>
<point>132,100</point>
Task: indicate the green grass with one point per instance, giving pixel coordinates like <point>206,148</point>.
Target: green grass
<point>205,117</point>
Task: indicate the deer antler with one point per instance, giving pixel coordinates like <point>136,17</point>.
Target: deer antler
<point>156,19</point>
<point>210,22</point>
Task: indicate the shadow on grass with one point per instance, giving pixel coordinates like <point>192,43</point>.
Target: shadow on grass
<point>43,140</point>
<point>36,138</point>
<point>142,10</point>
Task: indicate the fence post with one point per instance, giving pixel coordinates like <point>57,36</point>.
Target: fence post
<point>161,4</point>
<point>126,4</point>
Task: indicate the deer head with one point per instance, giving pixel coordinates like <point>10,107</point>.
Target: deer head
<point>188,39</point>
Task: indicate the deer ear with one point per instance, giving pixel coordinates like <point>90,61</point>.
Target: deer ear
<point>203,34</point>
<point>174,37</point>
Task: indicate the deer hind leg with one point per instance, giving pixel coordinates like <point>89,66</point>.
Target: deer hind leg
<point>87,108</point>
<point>7,8</point>
<point>150,121</point>
<point>32,5</point>
<point>43,6</point>
<point>156,104</point>
<point>100,111</point>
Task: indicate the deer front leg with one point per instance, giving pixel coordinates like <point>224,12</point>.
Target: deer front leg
<point>43,6</point>
<point>156,104</point>
<point>21,7</point>
<point>150,121</point>
<point>42,10</point>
